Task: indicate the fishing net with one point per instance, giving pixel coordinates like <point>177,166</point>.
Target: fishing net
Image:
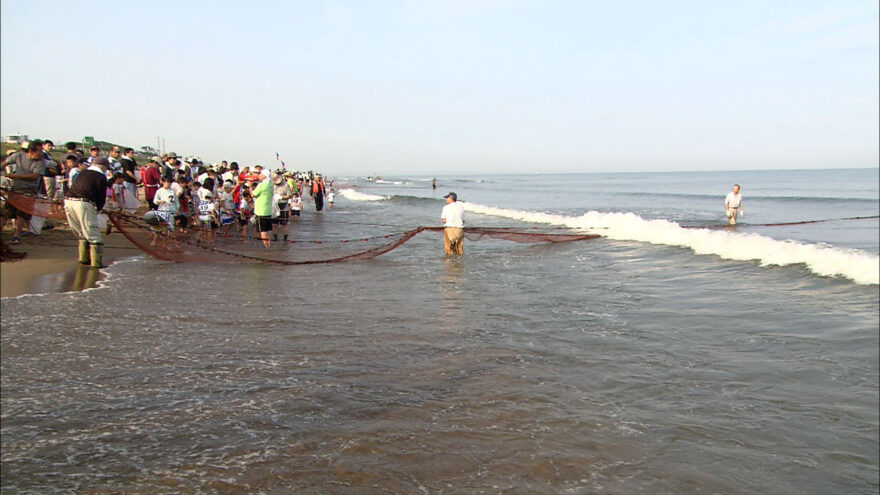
<point>152,234</point>
<point>35,206</point>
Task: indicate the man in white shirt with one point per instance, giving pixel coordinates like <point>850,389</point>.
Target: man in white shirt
<point>453,220</point>
<point>733,204</point>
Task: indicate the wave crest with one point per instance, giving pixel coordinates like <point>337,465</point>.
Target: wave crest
<point>856,265</point>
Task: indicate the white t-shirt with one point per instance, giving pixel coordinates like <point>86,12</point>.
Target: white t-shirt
<point>226,201</point>
<point>454,214</point>
<point>202,192</point>
<point>167,198</point>
<point>296,203</point>
<point>206,208</point>
<point>733,200</point>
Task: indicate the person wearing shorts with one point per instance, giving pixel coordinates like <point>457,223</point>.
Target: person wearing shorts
<point>207,219</point>
<point>245,211</point>
<point>167,208</point>
<point>227,209</point>
<point>283,193</point>
<point>263,195</point>
<point>296,205</point>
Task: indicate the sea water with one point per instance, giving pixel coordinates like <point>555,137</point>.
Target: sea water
<point>671,355</point>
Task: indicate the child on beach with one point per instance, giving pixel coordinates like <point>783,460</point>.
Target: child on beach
<point>207,219</point>
<point>114,193</point>
<point>184,200</point>
<point>245,211</point>
<point>296,205</point>
<point>227,209</point>
<point>166,204</point>
<point>331,196</point>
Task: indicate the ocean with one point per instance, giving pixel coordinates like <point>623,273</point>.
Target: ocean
<point>673,354</point>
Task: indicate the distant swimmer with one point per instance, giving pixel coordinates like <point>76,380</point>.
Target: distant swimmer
<point>434,183</point>
<point>453,219</point>
<point>733,203</point>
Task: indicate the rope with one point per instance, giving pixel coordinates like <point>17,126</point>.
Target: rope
<point>781,224</point>
<point>122,219</point>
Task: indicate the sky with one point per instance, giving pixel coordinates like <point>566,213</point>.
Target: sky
<point>455,86</point>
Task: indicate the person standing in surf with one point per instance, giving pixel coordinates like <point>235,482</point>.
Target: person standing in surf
<point>318,193</point>
<point>263,196</point>
<point>453,220</point>
<point>733,204</point>
<point>85,199</point>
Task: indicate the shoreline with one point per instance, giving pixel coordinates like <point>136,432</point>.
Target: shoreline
<point>51,266</point>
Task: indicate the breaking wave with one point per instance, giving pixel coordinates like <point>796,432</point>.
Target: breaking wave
<point>856,265</point>
<point>859,266</point>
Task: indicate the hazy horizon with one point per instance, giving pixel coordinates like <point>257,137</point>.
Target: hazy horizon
<point>462,87</point>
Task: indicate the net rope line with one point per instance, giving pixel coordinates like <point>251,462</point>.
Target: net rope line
<point>55,210</point>
<point>473,233</point>
<point>138,231</point>
<point>120,220</point>
<point>155,239</point>
<point>780,224</point>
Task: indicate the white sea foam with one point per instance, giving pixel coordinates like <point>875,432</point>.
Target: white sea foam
<point>859,266</point>
<point>359,196</point>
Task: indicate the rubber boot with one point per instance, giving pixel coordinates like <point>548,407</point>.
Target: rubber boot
<point>97,252</point>
<point>84,253</point>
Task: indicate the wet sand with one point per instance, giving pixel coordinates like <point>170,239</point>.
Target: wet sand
<point>51,262</point>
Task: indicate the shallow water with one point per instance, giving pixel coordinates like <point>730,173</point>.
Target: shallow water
<point>602,366</point>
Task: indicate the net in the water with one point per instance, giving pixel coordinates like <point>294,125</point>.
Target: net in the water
<point>152,234</point>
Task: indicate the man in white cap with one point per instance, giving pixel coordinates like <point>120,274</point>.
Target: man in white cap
<point>453,220</point>
<point>84,200</point>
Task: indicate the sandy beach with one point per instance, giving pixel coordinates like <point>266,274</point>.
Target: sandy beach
<point>51,265</point>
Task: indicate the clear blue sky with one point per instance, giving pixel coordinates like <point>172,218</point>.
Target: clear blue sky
<point>461,86</point>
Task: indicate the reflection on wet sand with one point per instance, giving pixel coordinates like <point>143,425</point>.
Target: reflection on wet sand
<point>74,280</point>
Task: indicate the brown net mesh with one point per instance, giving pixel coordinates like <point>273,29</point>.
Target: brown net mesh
<point>33,205</point>
<point>184,245</point>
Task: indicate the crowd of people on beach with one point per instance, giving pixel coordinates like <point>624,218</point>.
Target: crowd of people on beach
<point>185,194</point>
<point>227,199</point>
<point>217,199</point>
